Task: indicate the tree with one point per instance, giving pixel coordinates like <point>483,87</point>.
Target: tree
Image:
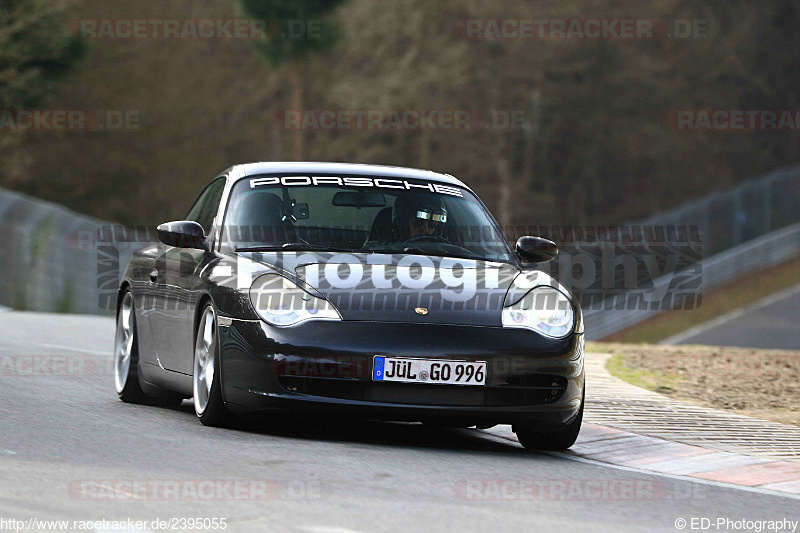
<point>35,51</point>
<point>297,28</point>
<point>603,152</point>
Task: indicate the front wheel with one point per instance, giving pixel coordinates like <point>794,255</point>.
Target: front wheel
<point>206,382</point>
<point>126,362</point>
<point>126,354</point>
<point>553,441</point>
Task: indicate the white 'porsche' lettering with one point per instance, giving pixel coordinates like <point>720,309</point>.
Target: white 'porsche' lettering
<point>383,183</point>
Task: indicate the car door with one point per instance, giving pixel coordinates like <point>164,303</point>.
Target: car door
<point>174,274</point>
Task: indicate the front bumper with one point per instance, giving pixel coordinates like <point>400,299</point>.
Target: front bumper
<point>324,366</point>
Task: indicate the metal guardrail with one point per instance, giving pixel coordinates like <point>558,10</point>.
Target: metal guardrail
<point>43,264</point>
<point>717,270</point>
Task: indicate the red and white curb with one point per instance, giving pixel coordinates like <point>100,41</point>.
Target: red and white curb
<point>630,428</point>
<point>648,454</point>
<point>611,402</point>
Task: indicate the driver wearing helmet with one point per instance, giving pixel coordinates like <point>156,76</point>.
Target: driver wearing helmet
<point>417,216</point>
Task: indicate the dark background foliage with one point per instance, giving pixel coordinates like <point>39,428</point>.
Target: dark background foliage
<point>594,146</point>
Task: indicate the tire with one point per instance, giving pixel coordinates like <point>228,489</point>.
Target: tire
<point>553,441</point>
<point>206,375</point>
<point>126,353</point>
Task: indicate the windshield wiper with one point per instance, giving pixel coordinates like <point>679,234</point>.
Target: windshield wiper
<point>433,253</point>
<point>295,246</point>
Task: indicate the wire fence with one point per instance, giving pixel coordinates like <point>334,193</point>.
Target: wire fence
<point>733,216</point>
<point>753,225</point>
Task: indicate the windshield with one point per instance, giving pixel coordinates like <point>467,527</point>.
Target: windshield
<point>361,214</point>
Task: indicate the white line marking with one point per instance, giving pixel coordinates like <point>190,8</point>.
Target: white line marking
<point>327,529</point>
<point>676,477</point>
<point>705,462</point>
<point>793,486</point>
<point>733,315</point>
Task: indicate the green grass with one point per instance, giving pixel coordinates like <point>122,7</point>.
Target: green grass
<point>645,379</point>
<point>719,301</point>
<point>67,300</point>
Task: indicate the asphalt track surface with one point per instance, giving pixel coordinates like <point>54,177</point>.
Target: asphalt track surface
<point>70,450</point>
<point>772,323</point>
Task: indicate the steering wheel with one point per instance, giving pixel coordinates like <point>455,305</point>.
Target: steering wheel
<point>427,238</point>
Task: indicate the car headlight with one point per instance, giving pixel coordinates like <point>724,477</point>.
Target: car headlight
<point>543,309</point>
<point>281,302</point>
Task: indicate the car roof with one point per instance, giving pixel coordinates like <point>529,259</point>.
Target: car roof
<point>355,169</point>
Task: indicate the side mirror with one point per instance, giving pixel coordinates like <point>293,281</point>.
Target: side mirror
<point>183,234</point>
<point>536,249</point>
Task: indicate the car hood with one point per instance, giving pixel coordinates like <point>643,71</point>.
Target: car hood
<point>407,288</point>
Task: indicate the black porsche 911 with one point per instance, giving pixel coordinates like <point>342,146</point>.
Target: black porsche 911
<point>383,292</point>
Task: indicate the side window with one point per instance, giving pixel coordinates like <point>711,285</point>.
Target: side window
<point>205,208</point>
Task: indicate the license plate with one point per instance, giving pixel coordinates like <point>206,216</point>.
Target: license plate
<point>435,371</point>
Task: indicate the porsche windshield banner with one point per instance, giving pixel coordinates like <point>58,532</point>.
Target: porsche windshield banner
<point>381,183</point>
